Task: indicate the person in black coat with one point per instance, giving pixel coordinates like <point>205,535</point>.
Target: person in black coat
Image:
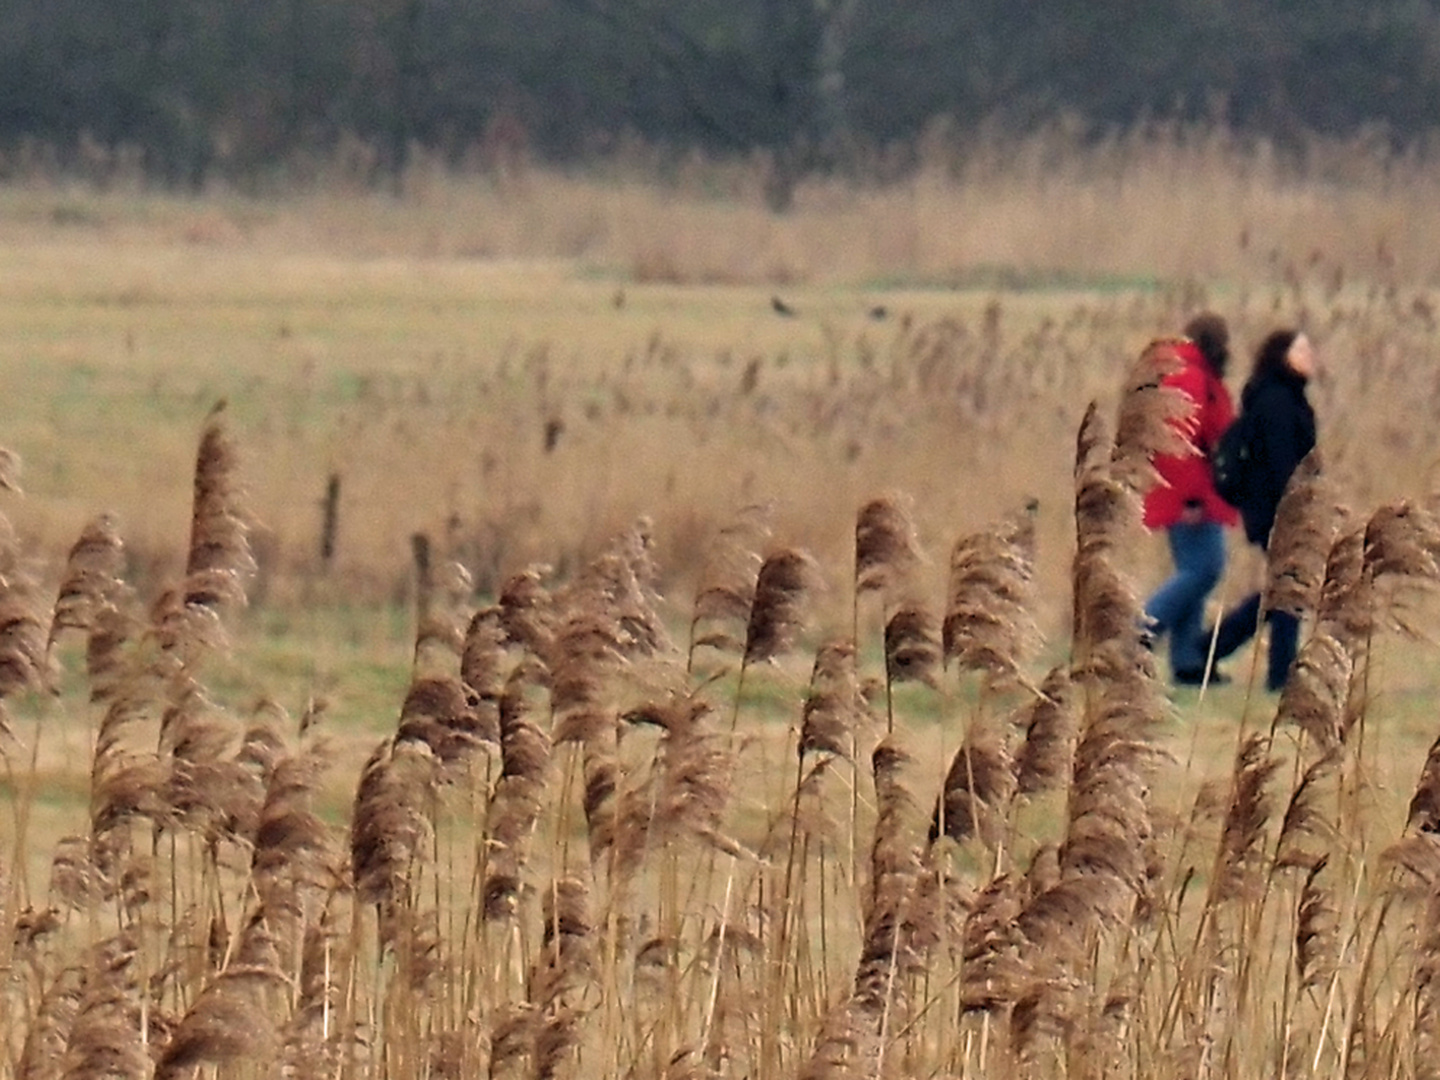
<point>1283,433</point>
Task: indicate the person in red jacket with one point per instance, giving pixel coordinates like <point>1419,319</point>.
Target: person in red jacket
<point>1186,505</point>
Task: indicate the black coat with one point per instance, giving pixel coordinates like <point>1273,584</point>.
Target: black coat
<point>1284,432</point>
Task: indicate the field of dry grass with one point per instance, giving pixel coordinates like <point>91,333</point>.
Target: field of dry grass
<point>520,369</point>
<point>739,719</point>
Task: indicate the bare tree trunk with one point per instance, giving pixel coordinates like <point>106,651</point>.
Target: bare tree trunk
<point>834,142</point>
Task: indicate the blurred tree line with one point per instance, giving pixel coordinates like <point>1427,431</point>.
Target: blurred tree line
<point>242,89</point>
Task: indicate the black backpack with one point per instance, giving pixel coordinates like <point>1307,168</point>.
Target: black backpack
<point>1232,461</point>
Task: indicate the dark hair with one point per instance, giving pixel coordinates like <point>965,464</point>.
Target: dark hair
<point>1212,338</point>
<point>1272,358</point>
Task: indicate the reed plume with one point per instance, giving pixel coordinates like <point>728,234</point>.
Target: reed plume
<point>10,468</point>
<point>887,552</point>
<point>517,801</point>
<point>42,1057</point>
<point>512,1038</point>
<point>1104,858</point>
<point>106,1039</point>
<point>128,778</point>
<point>992,974</point>
<point>1306,521</point>
<point>389,824</point>
<point>436,712</point>
<point>293,846</point>
<point>442,619</point>
<point>1049,723</point>
<point>263,743</point>
<point>313,1043</point>
<point>1044,870</point>
<point>894,851</point>
<point>671,710</point>
<point>786,581</point>
<point>207,788</point>
<point>75,880</point>
<point>725,590</point>
<point>527,611</point>
<point>1425,984</point>
<point>90,580</point>
<point>975,798</point>
<point>483,664</point>
<point>697,766</point>
<point>912,646</point>
<point>413,934</point>
<point>900,918</point>
<point>886,955</point>
<point>184,632</point>
<point>1346,610</point>
<point>1317,930</point>
<point>1316,696</point>
<point>988,625</point>
<point>588,655</point>
<point>1402,550</point>
<point>126,782</point>
<point>833,705</point>
<point>235,1016</point>
<point>1105,1017</point>
<point>1424,812</point>
<point>811,815</point>
<point>1049,1008</point>
<point>1240,859</point>
<point>601,770</point>
<point>1056,926</point>
<point>524,747</point>
<point>1415,865</point>
<point>560,976</point>
<point>1154,418</point>
<point>1402,539</point>
<point>1106,605</point>
<point>847,1047</point>
<point>219,561</point>
<point>24,653</point>
<point>586,659</point>
<point>1303,821</point>
<point>108,644</point>
<point>1106,608</point>
<point>622,583</point>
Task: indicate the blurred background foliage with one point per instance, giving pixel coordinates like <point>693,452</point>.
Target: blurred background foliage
<point>254,94</point>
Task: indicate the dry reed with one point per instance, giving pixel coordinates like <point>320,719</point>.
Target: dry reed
<point>617,896</point>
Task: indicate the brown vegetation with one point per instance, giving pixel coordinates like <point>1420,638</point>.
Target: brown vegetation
<point>584,852</point>
<point>902,796</point>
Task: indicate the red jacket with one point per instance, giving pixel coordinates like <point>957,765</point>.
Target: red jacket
<point>1186,480</point>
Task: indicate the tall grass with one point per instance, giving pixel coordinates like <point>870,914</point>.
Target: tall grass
<point>518,457</point>
<point>901,795</point>
<point>437,362</point>
<point>584,849</point>
<point>1210,203</point>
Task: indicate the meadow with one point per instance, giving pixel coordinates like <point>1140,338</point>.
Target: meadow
<point>588,626</point>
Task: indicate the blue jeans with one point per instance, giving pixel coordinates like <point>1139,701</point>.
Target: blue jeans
<point>1178,606</point>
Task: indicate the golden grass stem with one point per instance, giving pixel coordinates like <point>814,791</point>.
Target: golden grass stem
<point>709,1024</point>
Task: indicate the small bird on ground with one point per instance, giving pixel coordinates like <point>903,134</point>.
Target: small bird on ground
<point>780,307</point>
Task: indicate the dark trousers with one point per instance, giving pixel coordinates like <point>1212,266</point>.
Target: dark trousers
<point>1240,625</point>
